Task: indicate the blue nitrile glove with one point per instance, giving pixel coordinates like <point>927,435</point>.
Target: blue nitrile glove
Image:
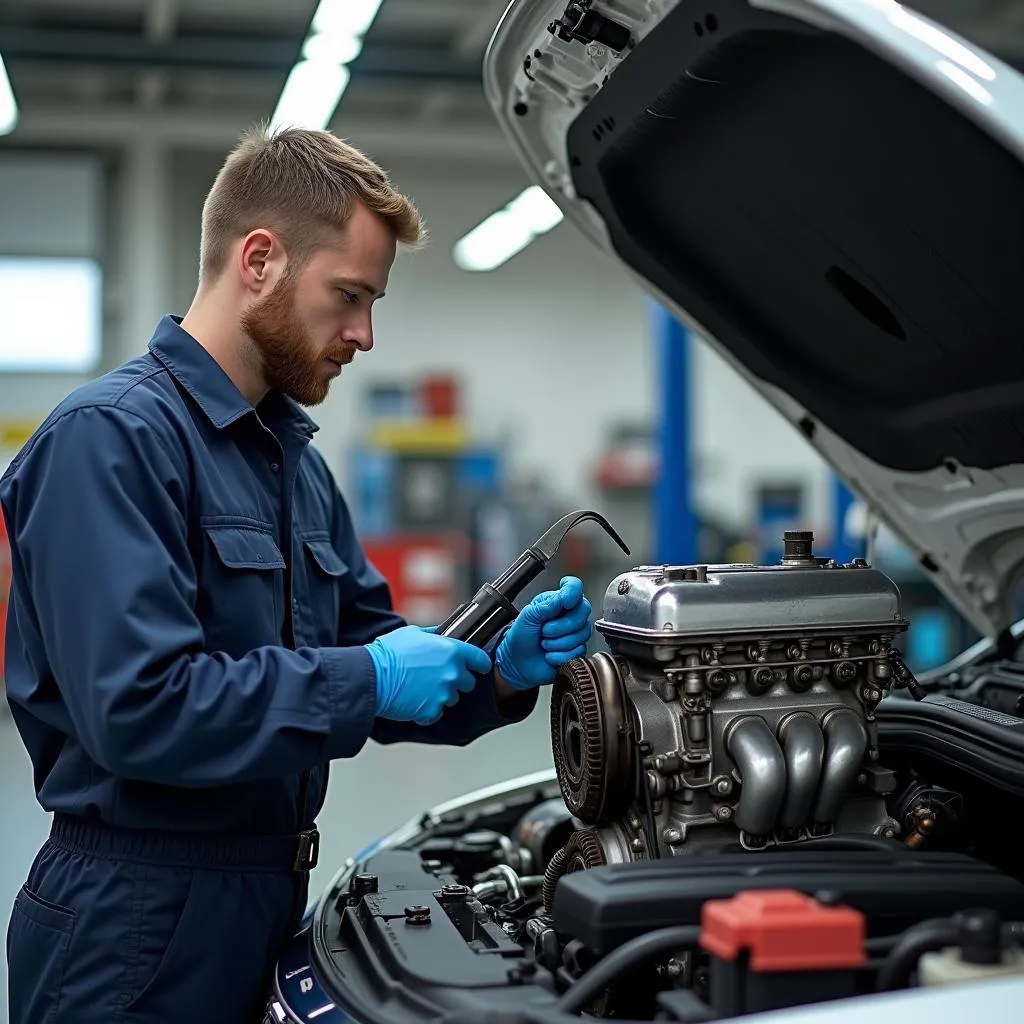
<point>552,629</point>
<point>419,674</point>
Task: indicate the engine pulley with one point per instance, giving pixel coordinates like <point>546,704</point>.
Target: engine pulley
<point>592,739</point>
<point>584,851</point>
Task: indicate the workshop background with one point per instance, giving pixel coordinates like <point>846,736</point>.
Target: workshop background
<point>494,401</point>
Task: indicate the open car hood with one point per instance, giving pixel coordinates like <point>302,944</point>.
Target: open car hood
<point>832,193</point>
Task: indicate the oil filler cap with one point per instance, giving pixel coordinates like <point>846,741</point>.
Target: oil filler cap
<point>798,548</point>
<point>783,931</point>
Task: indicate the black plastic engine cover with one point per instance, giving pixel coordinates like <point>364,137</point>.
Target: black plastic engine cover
<point>606,906</point>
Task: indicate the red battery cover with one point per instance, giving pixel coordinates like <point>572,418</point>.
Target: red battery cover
<point>783,930</point>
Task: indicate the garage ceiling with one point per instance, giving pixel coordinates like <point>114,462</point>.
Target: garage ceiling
<point>191,61</point>
<point>228,59</point>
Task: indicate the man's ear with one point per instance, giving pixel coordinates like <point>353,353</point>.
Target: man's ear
<point>258,253</point>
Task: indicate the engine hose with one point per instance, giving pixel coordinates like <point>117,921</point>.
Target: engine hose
<point>628,955</point>
<point>922,938</point>
<point>552,873</point>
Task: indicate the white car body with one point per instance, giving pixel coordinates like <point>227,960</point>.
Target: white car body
<point>965,522</point>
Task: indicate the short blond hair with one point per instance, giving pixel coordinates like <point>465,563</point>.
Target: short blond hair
<point>302,184</point>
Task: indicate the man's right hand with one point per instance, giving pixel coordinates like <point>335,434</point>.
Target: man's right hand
<point>419,674</point>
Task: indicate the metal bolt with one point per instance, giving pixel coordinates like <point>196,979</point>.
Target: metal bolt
<point>623,586</point>
<point>845,671</point>
<point>509,928</point>
<point>889,832</point>
<point>671,835</point>
<point>363,885</point>
<point>862,779</point>
<point>717,681</point>
<point>637,845</point>
<point>455,892</point>
<point>723,785</point>
<point>634,821</point>
<point>723,812</point>
<point>674,968</point>
<point>417,915</point>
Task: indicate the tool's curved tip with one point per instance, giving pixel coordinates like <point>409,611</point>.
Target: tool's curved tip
<point>552,539</point>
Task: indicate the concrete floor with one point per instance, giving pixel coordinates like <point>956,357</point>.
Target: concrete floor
<point>377,791</point>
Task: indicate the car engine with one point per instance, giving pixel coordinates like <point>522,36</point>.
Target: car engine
<point>753,804</point>
<point>737,705</point>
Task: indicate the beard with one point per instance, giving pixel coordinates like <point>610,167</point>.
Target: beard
<point>288,361</point>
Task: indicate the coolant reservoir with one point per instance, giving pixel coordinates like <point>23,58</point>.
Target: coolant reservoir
<point>981,953</point>
<point>948,967</point>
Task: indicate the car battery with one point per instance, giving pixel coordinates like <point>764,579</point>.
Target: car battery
<point>779,948</point>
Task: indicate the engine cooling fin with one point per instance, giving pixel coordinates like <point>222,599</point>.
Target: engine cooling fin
<point>592,739</point>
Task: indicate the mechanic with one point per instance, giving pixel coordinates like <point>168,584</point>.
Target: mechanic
<point>195,630</point>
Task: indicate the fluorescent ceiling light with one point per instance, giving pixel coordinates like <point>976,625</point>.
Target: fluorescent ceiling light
<point>338,17</point>
<point>317,82</point>
<point>310,95</point>
<point>506,232</point>
<point>8,104</point>
<point>331,49</point>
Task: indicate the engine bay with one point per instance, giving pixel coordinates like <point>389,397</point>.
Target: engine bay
<point>754,805</point>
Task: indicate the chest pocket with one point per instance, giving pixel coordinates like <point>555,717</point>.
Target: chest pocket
<point>329,584</point>
<point>241,599</point>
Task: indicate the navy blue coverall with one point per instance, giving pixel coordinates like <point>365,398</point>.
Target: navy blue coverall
<point>185,655</point>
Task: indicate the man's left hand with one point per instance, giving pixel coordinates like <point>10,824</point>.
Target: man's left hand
<point>552,629</point>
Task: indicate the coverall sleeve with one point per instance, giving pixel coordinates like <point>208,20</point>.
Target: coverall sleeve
<point>96,505</point>
<point>371,613</point>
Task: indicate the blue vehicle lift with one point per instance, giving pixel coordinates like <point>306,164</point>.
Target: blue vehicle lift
<point>675,525</point>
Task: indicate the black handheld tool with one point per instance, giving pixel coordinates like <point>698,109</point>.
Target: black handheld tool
<point>491,609</point>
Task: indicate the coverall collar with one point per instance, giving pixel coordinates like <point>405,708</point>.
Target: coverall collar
<point>211,388</point>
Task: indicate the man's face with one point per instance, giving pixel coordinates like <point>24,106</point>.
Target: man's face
<point>313,321</point>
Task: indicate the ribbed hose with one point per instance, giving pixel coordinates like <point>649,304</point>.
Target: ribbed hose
<point>552,873</point>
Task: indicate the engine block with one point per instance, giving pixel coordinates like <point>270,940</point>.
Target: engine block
<point>734,708</point>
